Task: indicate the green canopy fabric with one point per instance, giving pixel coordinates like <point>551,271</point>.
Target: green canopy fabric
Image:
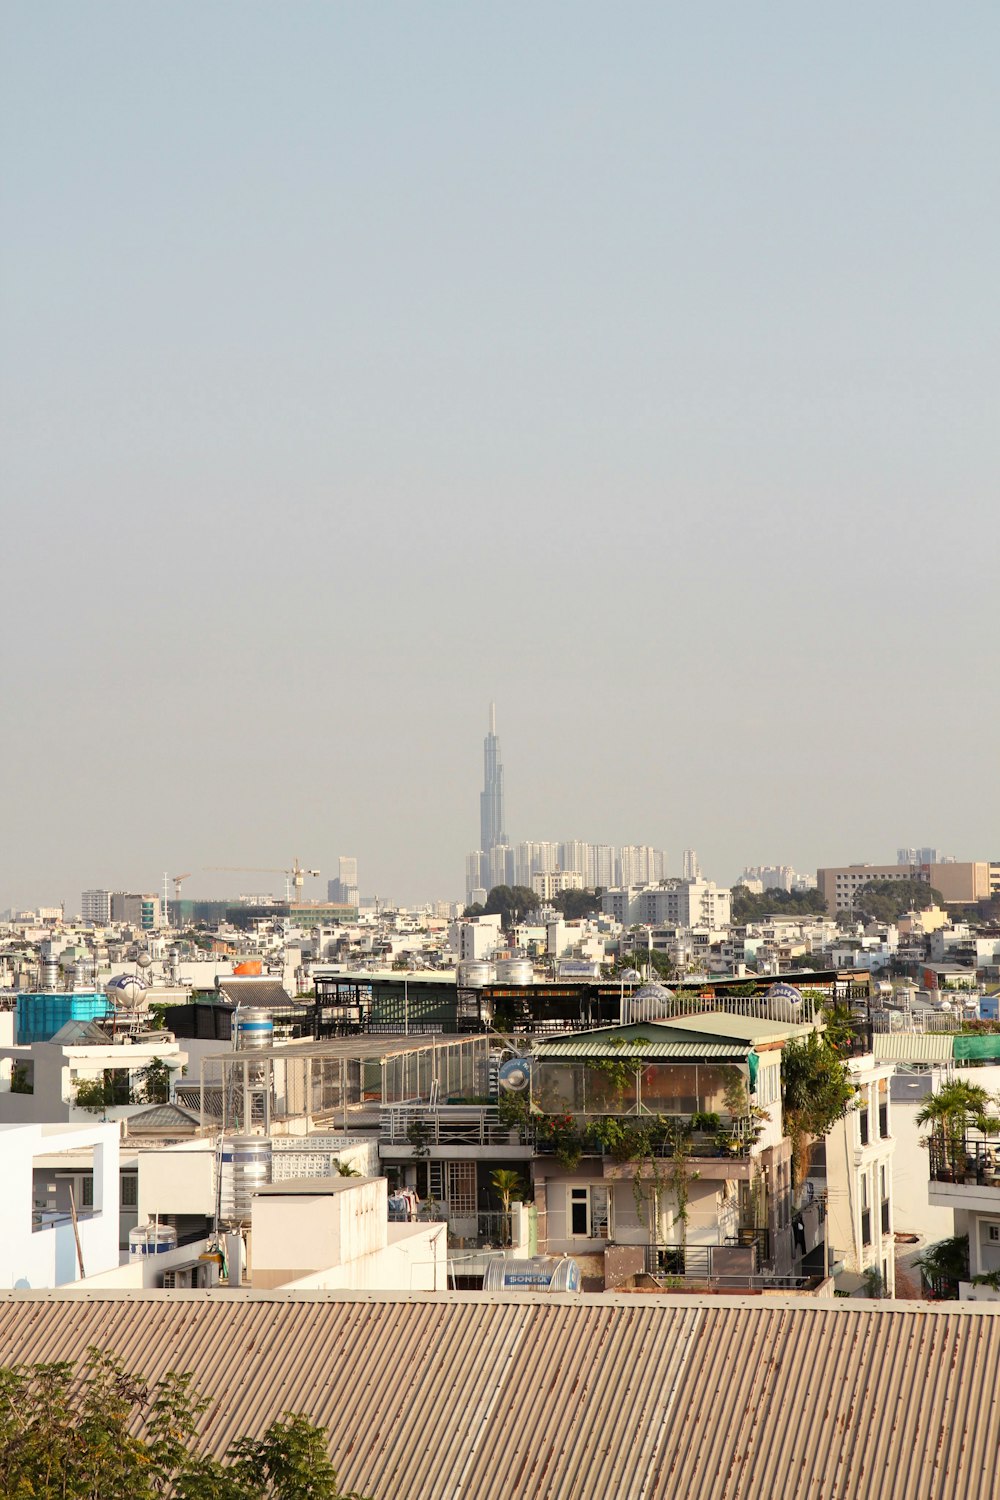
<point>753,1063</point>
<point>981,1048</point>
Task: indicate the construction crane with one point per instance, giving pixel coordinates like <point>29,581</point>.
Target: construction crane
<point>178,882</point>
<point>294,878</point>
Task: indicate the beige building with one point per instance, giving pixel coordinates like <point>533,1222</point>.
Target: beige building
<point>959,883</point>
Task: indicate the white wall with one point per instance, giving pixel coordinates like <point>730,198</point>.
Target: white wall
<point>47,1257</point>
<point>415,1259</point>
<point>303,1232</point>
<point>176,1179</point>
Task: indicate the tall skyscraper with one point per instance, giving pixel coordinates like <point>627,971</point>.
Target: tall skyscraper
<point>345,887</point>
<point>491,809</point>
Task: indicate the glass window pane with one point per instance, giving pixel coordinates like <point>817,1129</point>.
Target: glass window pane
<point>670,1089</point>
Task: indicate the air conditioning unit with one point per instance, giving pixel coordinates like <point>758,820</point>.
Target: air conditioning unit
<point>191,1275</point>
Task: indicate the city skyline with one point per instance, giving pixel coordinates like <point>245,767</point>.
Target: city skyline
<point>679,475</point>
<point>604,863</point>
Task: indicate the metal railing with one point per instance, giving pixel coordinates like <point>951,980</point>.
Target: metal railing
<point>970,1160</point>
<point>420,1126</point>
<point>696,1264</point>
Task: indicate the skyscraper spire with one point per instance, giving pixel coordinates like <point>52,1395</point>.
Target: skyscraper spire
<point>491,808</point>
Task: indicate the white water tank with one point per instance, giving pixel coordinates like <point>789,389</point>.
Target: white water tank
<point>151,1239</point>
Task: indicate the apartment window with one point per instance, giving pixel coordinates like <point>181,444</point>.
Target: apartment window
<point>87,1192</point>
<point>462,1188</point>
<point>129,1190</point>
<point>863,1125</point>
<point>883,1107</point>
<point>993,1233</point>
<point>588,1213</point>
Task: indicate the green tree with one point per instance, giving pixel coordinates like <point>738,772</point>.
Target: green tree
<point>511,903</point>
<point>816,1092</point>
<point>19,1081</point>
<point>747,906</point>
<point>951,1112</point>
<point>508,1186</point>
<point>887,900</point>
<point>90,1095</point>
<point>577,904</point>
<point>943,1265</point>
<point>101,1432</point>
<point>639,958</point>
<point>153,1083</point>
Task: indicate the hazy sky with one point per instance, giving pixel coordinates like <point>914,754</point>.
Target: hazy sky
<point>635,365</point>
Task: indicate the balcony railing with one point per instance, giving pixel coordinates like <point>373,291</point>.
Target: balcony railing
<point>973,1161</point>
<point>448,1125</point>
<point>676,1265</point>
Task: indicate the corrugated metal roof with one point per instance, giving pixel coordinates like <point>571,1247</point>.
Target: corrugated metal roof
<point>913,1046</point>
<point>724,1023</point>
<point>668,1047</point>
<point>475,1398</point>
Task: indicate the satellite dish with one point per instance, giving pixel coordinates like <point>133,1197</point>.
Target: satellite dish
<point>515,1074</point>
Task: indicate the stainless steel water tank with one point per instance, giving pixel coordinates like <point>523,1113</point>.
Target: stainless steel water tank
<point>254,1028</point>
<point>245,1166</point>
<point>515,971</point>
<point>474,973</point>
<point>540,1273</point>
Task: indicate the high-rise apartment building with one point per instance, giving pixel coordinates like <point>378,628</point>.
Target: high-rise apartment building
<point>601,862</point>
<point>690,868</point>
<point>639,864</point>
<point>573,856</point>
<point>95,906</point>
<point>491,805</point>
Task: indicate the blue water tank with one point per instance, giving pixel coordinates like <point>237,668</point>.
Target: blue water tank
<point>41,1014</point>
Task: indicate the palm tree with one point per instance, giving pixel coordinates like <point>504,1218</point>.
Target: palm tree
<point>951,1112</point>
<point>507,1185</point>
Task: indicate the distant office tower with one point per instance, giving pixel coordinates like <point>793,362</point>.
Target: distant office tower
<point>690,869</point>
<point>906,856</point>
<point>491,808</point>
<point>95,906</point>
<point>136,910</point>
<point>345,888</point>
<point>928,857</point>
